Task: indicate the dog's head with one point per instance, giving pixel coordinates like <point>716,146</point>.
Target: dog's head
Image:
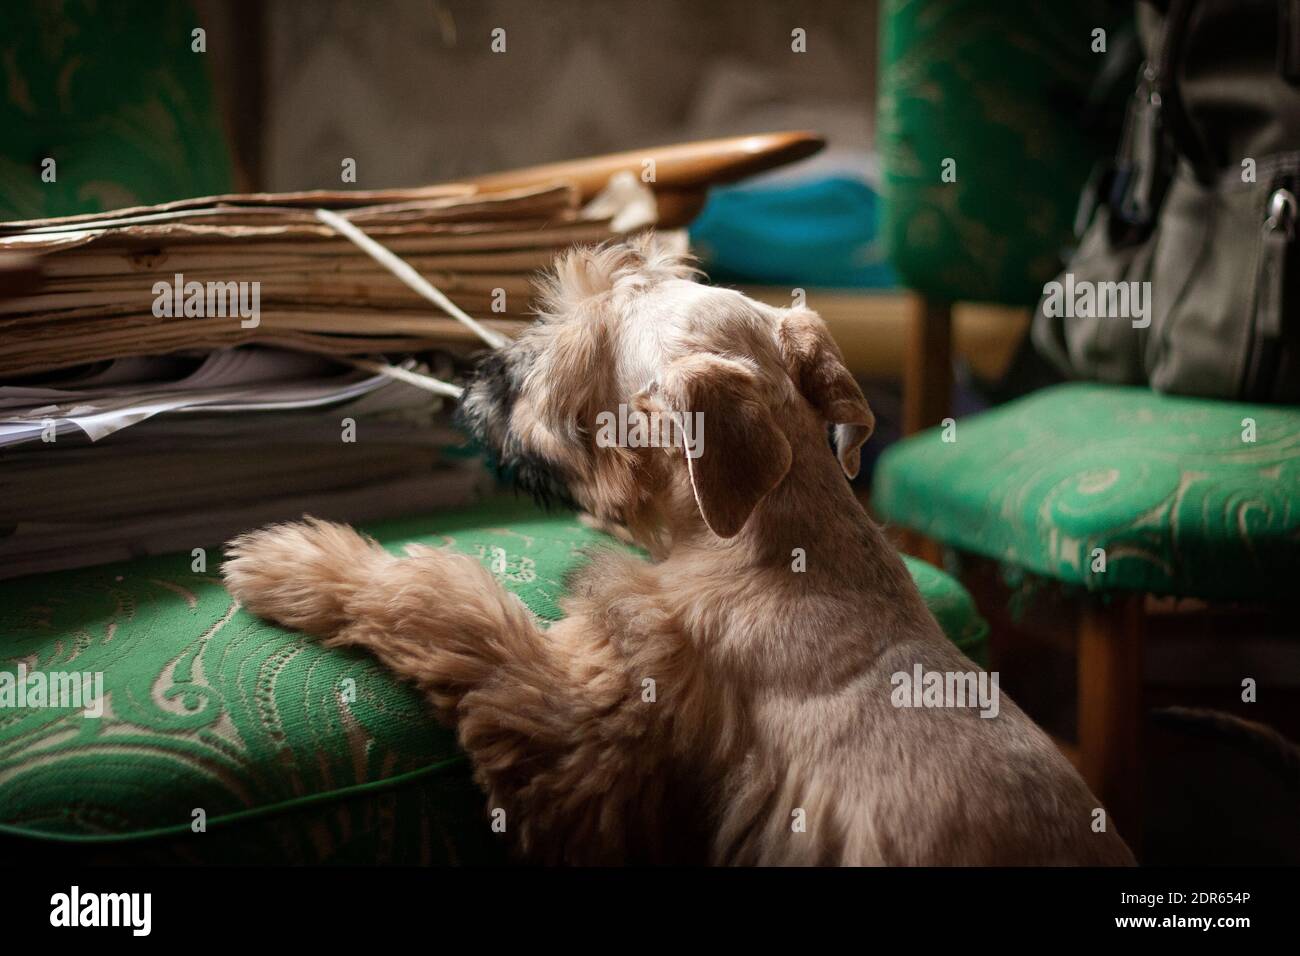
<point>639,385</point>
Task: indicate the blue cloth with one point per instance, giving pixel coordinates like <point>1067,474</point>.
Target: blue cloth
<point>813,233</point>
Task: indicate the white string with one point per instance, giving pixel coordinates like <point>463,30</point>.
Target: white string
<point>418,379</point>
<point>422,286</point>
<point>408,275</point>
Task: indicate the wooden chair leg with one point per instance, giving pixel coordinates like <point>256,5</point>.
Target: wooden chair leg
<point>927,365</point>
<point>927,390</point>
<point>1110,709</point>
<point>919,546</point>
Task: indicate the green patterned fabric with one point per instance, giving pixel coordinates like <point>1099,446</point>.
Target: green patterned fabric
<point>294,752</point>
<point>115,95</point>
<point>998,88</point>
<point>1184,496</point>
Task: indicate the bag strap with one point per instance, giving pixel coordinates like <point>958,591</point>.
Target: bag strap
<point>1288,40</point>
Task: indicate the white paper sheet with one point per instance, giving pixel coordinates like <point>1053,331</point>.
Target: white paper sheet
<point>232,380</point>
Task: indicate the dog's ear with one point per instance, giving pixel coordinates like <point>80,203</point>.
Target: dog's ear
<point>817,368</point>
<point>739,454</point>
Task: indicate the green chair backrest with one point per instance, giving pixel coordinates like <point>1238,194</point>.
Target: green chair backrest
<point>116,96</point>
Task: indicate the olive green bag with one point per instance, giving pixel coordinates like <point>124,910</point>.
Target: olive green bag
<point>1185,277</point>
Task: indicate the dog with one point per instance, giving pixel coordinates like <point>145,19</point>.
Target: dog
<point>735,699</point>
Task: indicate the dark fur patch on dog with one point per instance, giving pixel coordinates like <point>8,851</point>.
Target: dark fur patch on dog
<point>489,398</point>
<point>484,414</point>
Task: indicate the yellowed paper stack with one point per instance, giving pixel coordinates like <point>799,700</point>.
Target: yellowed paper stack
<point>173,377</point>
<point>189,275</point>
<point>131,424</point>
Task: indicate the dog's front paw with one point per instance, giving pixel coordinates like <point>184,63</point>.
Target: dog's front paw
<point>301,575</point>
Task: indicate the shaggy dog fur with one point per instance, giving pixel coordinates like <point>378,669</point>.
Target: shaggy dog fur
<point>771,737</point>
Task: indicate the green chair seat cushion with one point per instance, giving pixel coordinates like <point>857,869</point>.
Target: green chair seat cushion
<point>1172,490</point>
<point>302,753</point>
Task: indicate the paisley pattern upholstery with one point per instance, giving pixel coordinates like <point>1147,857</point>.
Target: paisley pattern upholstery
<point>998,88</point>
<point>1184,496</point>
<point>115,95</point>
<point>296,753</point>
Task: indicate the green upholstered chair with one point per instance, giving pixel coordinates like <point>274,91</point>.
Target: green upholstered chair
<point>981,164</point>
<point>115,95</point>
<point>982,171</point>
<point>1179,497</point>
<point>294,752</point>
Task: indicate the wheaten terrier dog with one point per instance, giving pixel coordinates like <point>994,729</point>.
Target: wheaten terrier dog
<point>768,689</point>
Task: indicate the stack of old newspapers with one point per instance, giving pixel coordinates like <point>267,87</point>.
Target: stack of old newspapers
<point>189,370</point>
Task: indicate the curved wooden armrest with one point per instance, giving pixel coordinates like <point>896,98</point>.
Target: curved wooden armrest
<point>680,168</point>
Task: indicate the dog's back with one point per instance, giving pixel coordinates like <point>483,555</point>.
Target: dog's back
<point>815,713</point>
<point>855,780</point>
